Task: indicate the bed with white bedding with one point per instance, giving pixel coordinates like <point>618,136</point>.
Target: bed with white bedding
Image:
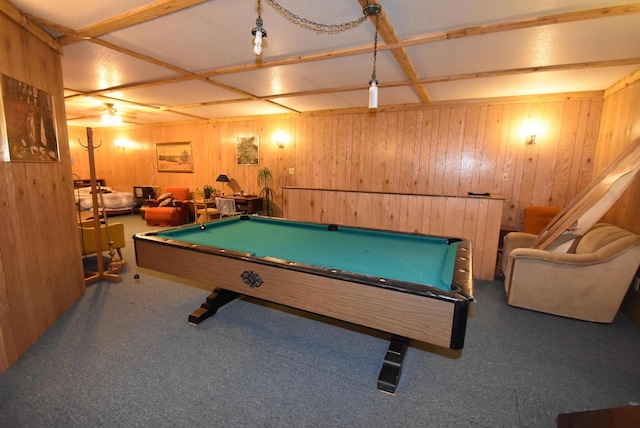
<point>114,201</point>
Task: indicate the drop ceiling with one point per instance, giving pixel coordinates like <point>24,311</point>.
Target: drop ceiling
<point>164,61</point>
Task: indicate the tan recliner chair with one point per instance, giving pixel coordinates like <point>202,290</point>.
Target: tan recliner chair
<point>588,282</point>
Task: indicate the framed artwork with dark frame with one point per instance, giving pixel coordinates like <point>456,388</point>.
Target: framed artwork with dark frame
<point>27,123</point>
<point>247,150</point>
<point>174,157</point>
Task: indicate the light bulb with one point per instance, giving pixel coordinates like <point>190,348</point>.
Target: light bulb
<point>373,95</point>
<point>111,119</point>
<point>257,44</point>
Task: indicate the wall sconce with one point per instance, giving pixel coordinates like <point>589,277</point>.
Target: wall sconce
<point>123,143</point>
<point>280,139</point>
<point>530,130</point>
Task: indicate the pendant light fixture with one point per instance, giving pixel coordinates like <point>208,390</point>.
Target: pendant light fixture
<point>373,10</point>
<point>259,33</point>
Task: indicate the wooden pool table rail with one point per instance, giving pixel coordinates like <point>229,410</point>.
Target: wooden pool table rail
<point>436,317</point>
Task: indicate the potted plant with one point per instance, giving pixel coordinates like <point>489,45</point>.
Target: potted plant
<point>264,180</point>
<point>208,191</point>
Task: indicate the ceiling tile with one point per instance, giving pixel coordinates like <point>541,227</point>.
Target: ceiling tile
<point>76,14</point>
<point>351,99</point>
<point>220,36</point>
<point>419,17</point>
<point>310,76</point>
<point>528,84</point>
<point>87,66</point>
<point>174,94</point>
<point>243,108</point>
<point>214,39</point>
<point>577,42</point>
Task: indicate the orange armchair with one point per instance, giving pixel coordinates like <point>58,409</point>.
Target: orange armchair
<point>173,213</point>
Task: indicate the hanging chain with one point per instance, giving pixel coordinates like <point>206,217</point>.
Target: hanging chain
<point>315,26</point>
<point>259,8</point>
<point>375,51</point>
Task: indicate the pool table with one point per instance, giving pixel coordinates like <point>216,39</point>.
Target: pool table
<point>411,285</point>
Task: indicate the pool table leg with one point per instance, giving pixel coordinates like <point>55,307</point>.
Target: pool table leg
<point>392,366</point>
<point>215,301</point>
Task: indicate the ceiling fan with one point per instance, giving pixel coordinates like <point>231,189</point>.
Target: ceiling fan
<point>111,116</point>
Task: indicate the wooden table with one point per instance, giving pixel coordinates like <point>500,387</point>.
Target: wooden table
<point>621,417</point>
<point>245,203</point>
<point>248,203</point>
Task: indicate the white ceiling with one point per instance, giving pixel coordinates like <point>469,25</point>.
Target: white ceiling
<point>198,60</point>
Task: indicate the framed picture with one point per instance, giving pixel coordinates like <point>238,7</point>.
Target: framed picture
<point>248,150</point>
<point>174,157</point>
<point>27,123</point>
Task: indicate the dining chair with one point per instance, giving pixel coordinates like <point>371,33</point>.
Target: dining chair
<point>203,212</point>
<point>227,207</point>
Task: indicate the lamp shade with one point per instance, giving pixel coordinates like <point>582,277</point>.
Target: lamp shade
<point>222,178</point>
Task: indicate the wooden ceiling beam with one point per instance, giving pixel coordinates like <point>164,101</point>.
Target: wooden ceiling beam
<point>439,36</point>
<point>623,83</point>
<point>388,34</point>
<point>23,20</point>
<point>440,79</point>
<point>536,69</point>
<point>339,53</point>
<point>386,31</point>
<point>188,75</point>
<point>137,16</point>
<point>559,18</point>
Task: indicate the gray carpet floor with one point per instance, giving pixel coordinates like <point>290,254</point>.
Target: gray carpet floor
<point>125,356</point>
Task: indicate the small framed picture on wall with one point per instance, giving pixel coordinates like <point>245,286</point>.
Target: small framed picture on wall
<point>248,150</point>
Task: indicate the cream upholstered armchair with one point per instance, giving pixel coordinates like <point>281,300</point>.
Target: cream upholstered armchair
<point>588,282</point>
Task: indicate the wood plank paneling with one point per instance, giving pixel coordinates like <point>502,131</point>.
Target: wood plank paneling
<point>433,215</point>
<point>620,127</point>
<point>41,272</point>
<point>448,150</point>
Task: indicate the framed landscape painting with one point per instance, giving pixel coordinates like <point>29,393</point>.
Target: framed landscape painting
<point>27,123</point>
<point>174,157</point>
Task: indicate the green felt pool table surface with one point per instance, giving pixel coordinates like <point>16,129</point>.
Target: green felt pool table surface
<point>417,259</point>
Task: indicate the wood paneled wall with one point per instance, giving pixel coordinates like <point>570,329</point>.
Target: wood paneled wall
<point>475,218</point>
<point>213,149</point>
<point>620,127</point>
<point>41,272</point>
<point>439,150</point>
